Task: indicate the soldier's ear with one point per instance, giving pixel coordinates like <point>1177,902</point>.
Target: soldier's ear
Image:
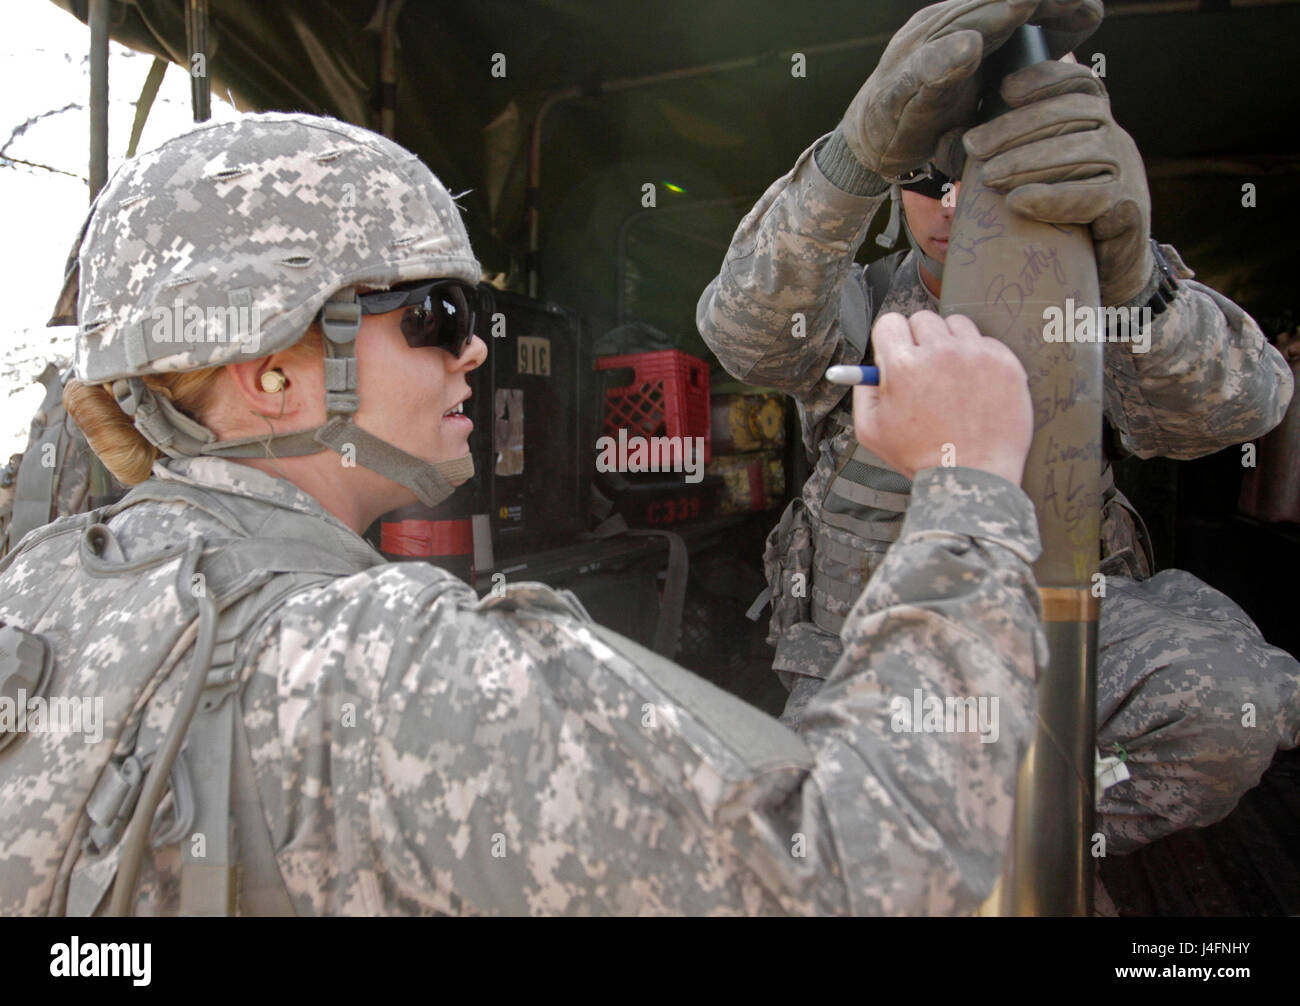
<point>267,387</point>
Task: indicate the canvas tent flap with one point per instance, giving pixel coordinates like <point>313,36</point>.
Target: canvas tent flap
<point>672,89</point>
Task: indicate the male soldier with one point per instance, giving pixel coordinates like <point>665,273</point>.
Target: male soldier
<point>1177,660</point>
<point>388,742</point>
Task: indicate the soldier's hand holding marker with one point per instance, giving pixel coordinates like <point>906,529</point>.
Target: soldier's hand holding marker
<point>944,389</point>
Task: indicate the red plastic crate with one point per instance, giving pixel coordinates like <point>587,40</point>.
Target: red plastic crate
<point>668,396</point>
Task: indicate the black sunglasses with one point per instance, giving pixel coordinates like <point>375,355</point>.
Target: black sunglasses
<point>928,181</point>
<point>439,312</point>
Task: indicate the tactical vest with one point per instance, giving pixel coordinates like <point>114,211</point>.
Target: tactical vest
<point>80,619</point>
<point>853,507</point>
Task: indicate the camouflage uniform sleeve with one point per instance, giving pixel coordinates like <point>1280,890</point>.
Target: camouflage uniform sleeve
<point>923,816</point>
<point>776,314</point>
<point>522,761</point>
<point>1209,379</point>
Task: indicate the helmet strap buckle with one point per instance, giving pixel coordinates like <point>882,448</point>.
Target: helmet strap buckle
<point>128,392</point>
<point>340,317</point>
<point>340,320</point>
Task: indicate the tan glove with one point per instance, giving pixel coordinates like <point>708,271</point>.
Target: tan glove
<point>925,83</point>
<point>1060,156</point>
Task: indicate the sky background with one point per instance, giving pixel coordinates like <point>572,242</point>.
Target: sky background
<point>44,119</point>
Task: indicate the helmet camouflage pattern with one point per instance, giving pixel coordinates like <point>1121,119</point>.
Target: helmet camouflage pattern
<point>225,242</point>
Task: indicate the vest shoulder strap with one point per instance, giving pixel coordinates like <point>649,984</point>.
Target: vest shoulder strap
<point>880,276</point>
<point>247,578</point>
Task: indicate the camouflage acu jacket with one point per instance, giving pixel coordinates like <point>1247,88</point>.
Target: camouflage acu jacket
<point>1209,380</point>
<point>420,750</point>
<point>790,301</point>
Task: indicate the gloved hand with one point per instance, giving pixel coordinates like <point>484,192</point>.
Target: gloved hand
<point>925,83</point>
<point>1060,157</point>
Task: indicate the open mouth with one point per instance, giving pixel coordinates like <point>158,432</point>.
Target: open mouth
<point>456,414</point>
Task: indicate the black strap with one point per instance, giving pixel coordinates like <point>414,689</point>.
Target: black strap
<point>672,604</point>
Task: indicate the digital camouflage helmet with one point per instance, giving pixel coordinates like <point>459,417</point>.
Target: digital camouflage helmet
<point>227,242</point>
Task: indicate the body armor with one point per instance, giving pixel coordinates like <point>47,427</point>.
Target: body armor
<point>852,508</point>
<point>115,578</point>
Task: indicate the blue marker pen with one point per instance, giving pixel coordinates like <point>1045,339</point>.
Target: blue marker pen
<point>843,374</point>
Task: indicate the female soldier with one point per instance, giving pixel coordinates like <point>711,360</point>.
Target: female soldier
<point>275,328</point>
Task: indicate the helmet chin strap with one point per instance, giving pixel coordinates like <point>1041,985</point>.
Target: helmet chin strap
<point>898,220</point>
<point>177,435</point>
<point>432,482</point>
